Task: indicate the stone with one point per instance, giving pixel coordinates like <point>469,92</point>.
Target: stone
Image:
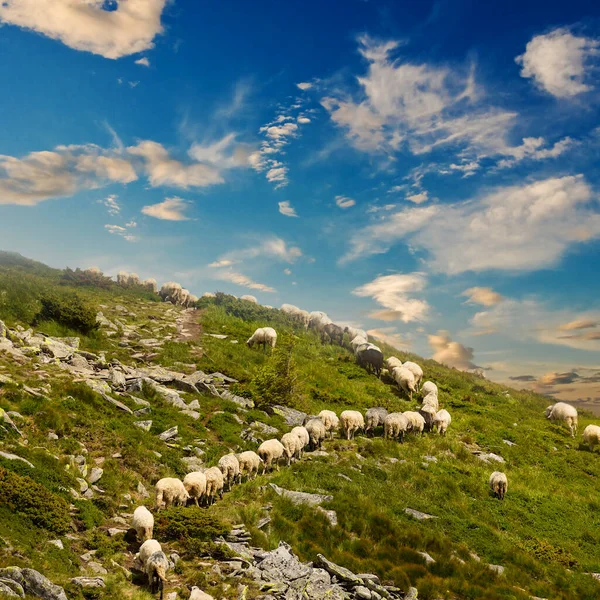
<point>301,497</point>
<point>33,583</point>
<point>88,556</point>
<point>488,456</point>
<point>10,456</point>
<point>281,565</point>
<point>56,349</point>
<point>263,522</point>
<point>57,543</point>
<point>362,593</point>
<point>341,573</point>
<point>429,560</point>
<point>169,434</point>
<point>141,490</point>
<point>95,474</point>
<point>5,379</point>
<point>417,514</point>
<point>171,596</point>
<point>344,477</point>
<point>145,425</point>
<point>83,484</point>
<point>88,582</point>
<point>191,413</point>
<point>97,568</point>
<point>140,412</point>
<point>88,494</point>
<point>509,443</point>
<point>430,459</point>
<point>11,589</point>
<point>114,531</point>
<point>412,594</point>
<point>330,514</point>
<point>227,395</point>
<point>194,405</point>
<point>117,379</point>
<point>264,428</point>
<point>198,594</point>
<point>498,569</point>
<point>5,418</point>
<point>52,436</point>
<point>193,463</point>
<point>291,416</point>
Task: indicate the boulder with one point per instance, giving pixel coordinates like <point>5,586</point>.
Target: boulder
<point>9,456</point>
<point>145,425</point>
<point>88,582</point>
<point>291,416</point>
<point>33,583</point>
<point>417,514</point>
<point>341,573</point>
<point>95,474</point>
<point>11,589</point>
<point>198,594</point>
<point>56,349</point>
<point>301,497</point>
<point>169,434</point>
<point>227,395</point>
<point>281,565</point>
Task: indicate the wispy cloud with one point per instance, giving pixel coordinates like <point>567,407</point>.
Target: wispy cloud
<point>273,248</point>
<point>124,232</point>
<point>450,353</point>
<point>344,201</point>
<point>111,204</point>
<point>391,336</point>
<point>285,208</point>
<point>483,295</point>
<point>304,86</point>
<point>243,280</point>
<point>144,62</point>
<point>171,209</point>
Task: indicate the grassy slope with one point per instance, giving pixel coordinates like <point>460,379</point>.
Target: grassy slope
<point>545,533</point>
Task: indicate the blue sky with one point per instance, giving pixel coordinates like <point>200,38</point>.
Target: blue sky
<point>428,171</point>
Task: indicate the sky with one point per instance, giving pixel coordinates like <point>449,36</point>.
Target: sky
<point>428,171</point>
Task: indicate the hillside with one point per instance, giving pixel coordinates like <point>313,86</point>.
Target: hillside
<point>87,414</point>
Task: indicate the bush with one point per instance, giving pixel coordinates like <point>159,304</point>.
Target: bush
<point>69,311</point>
<point>86,278</point>
<point>25,497</point>
<point>276,381</point>
<point>180,524</point>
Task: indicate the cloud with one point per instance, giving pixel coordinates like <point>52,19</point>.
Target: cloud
<point>287,271</point>
<point>452,354</point>
<point>344,201</point>
<point>303,120</point>
<point>418,198</point>
<point>304,86</point>
<point>390,335</point>
<point>532,148</point>
<point>273,248</point>
<point>525,378</point>
<point>579,324</point>
<point>285,208</point>
<point>483,295</point>
<point>501,230</point>
<point>243,280</point>
<point>225,153</point>
<point>393,292</point>
<point>128,28</point>
<point>221,263</point>
<point>144,62</point>
<point>123,231</point>
<point>558,62</point>
<point>111,204</point>
<point>171,209</point>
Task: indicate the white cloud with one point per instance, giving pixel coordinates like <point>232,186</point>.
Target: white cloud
<point>303,120</point>
<point>171,209</point>
<point>304,86</point>
<point>483,295</point>
<point>133,84</point>
<point>452,354</point>
<point>144,62</point>
<point>279,133</point>
<point>225,153</point>
<point>418,198</point>
<point>532,148</point>
<point>243,280</point>
<point>285,208</point>
<point>85,24</point>
<point>391,336</point>
<point>279,175</point>
<point>393,293</point>
<point>271,248</point>
<point>123,231</point>
<point>111,204</point>
<point>222,263</point>
<point>501,230</point>
<point>344,201</point>
<point>287,271</point>
<point>558,62</point>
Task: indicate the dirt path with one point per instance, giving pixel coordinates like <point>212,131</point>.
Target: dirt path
<point>188,325</point>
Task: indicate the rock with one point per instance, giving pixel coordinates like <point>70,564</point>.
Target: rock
<point>301,497</point>
<point>193,463</point>
<point>140,412</point>
<point>5,379</point>
<point>430,459</point>
<point>11,589</point>
<point>330,514</point>
<point>263,522</point>
<point>52,436</point>
<point>95,474</point>
<point>56,349</point>
<point>5,418</point>
<point>114,531</point>
<point>218,336</point>
<point>169,434</point>
<point>79,363</point>
<point>498,569</point>
<point>57,543</point>
<point>198,594</point>
<point>9,456</point>
<point>281,565</point>
<point>83,484</point>
<point>104,322</point>
<point>509,443</point>
<point>3,329</point>
<point>88,556</point>
<point>429,560</point>
<point>194,405</point>
<point>88,582</point>
<point>191,413</point>
<point>117,379</point>
<point>412,594</point>
<point>141,490</point>
<point>291,416</point>
<point>33,583</point>
<point>171,596</point>
<point>417,514</point>
<point>242,402</point>
<point>486,457</point>
<point>145,425</point>
<point>341,573</point>
<point>362,593</point>
<point>97,568</point>
<point>264,428</point>
<point>344,477</point>
<point>88,494</point>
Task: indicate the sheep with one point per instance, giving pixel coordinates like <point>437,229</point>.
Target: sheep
<point>249,463</point>
<point>170,491</point>
<point>395,426</point>
<point>358,341</point>
<point>133,279</point>
<point>429,388</point>
<point>405,380</point>
<point>192,300</point>
<point>170,292</point>
<point>441,420</point>
<point>370,357</point>
<point>290,443</point>
<point>591,436</point>
<point>303,439</point>
<point>214,484</point>
<point>561,411</point>
<point>316,432</point>
<point>209,295</point>
<point>249,298</point>
<point>392,362</point>
<point>374,418</point>
<point>95,271</point>
<point>428,413</point>
<point>150,285</point>
<point>230,467</point>
<point>263,335</point>
<point>416,371</point>
<point>416,421</point>
<point>122,277</point>
<point>354,332</point>
<point>499,484</point>
<point>298,314</point>
<point>195,485</point>
<point>330,420</point>
<point>317,320</point>
<point>334,333</point>
<point>147,549</point>
<point>351,421</point>
<point>143,523</point>
<point>156,568</point>
<point>271,451</point>
<point>431,400</point>
<point>184,297</point>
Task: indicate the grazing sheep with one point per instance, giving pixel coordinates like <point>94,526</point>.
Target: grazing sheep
<point>351,421</point>
<point>392,362</point>
<point>405,380</point>
<point>122,277</point>
<point>330,420</point>
<point>301,316</point>
<point>192,300</point>
<point>290,443</point>
<point>170,292</point>
<point>591,436</point>
<point>147,549</point>
<point>214,484</point>
<point>429,388</point>
<point>195,485</point>
<point>395,426</point>
<point>230,467</point>
<point>353,332</point>
<point>415,370</point>
<point>143,523</point>
<point>442,420</point>
<point>93,271</point>
<point>150,285</point>
<point>184,297</point>
<point>249,298</point>
<point>357,342</point>
<point>170,492</point>
<point>499,484</point>
<point>416,421</point>
<point>133,279</point>
<point>561,411</point>
<point>249,463</point>
<point>263,336</point>
<point>428,413</point>
<point>370,357</point>
<point>316,432</point>
<point>303,439</point>
<point>431,400</point>
<point>156,568</point>
<point>374,418</point>
<point>317,320</point>
<point>271,451</point>
<point>334,333</point>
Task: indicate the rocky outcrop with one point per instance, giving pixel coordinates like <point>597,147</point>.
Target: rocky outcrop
<point>301,497</point>
<point>32,583</point>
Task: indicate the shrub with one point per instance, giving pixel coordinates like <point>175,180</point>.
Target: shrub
<point>177,524</point>
<point>85,278</point>
<point>276,381</point>
<point>68,310</point>
<point>29,499</point>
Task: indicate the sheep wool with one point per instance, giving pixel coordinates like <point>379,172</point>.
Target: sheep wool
<point>330,420</point>
<point>499,484</point>
<point>429,388</point>
<point>431,400</point>
<point>351,421</point>
<point>230,467</point>
<point>561,411</point>
<point>143,523</point>
<point>156,568</point>
<point>591,435</point>
<point>170,491</point>
<point>249,298</point>
<point>416,370</point>
<point>303,439</point>
<point>195,485</point>
<point>147,549</point>
<point>316,432</point>
<point>290,443</point>
<point>405,380</point>
<point>214,484</point>
<point>270,452</point>
<point>249,463</point>
<point>374,418</point>
<point>263,336</point>
<point>392,362</point>
<point>395,426</point>
<point>428,413</point>
<point>442,420</point>
<point>416,422</point>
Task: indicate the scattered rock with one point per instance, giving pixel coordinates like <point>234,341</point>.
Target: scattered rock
<point>498,569</point>
<point>141,490</point>
<point>97,568</point>
<point>114,531</point>
<point>145,425</point>
<point>88,582</point>
<point>291,416</point>
<point>10,456</point>
<point>52,436</point>
<point>193,463</point>
<point>169,434</point>
<point>429,560</point>
<point>33,583</point>
<point>95,474</point>
<point>362,593</point>
<point>330,514</point>
<point>344,477</point>
<point>57,543</point>
<point>509,443</point>
<point>341,573</point>
<point>486,457</point>
<point>417,514</point>
<point>301,497</point>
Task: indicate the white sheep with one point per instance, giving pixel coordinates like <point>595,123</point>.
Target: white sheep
<point>301,316</point>
<point>316,432</point>
<point>291,445</point>
<point>499,484</point>
<point>209,295</point>
<point>431,400</point>
<point>156,568</point>
<point>170,292</point>
<point>249,463</point>
<point>405,380</point>
<point>354,332</point>
<point>271,451</point>
<point>591,435</point>
<point>147,549</point>
<point>395,426</point>
<point>150,285</point>
<point>195,485</point>
<point>192,300</point>
<point>374,418</point>
<point>416,371</point>
<point>416,422</point>
<point>357,342</point>
<point>197,594</point>
<point>429,388</point>
<point>392,362</point>
<point>303,439</point>
<point>351,421</point>
<point>214,484</point>
<point>249,298</point>
<point>561,411</point>
<point>442,420</point>
<point>428,412</point>
<point>184,297</point>
<point>330,420</point>
<point>170,491</point>
<point>95,271</point>
<point>143,523</point>
<point>230,467</point>
<point>265,336</point>
<point>317,320</point>
<point>133,279</point>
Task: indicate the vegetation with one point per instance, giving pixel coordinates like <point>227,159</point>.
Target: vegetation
<point>70,311</point>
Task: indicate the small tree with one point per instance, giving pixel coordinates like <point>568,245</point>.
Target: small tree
<point>275,382</point>
<point>69,310</point>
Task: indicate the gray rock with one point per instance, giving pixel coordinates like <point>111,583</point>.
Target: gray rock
<point>341,573</point>
<point>509,443</point>
<point>301,497</point>
<point>429,560</point>
<point>56,349</point>
<point>141,490</point>
<point>487,457</point>
<point>114,531</point>
<point>239,400</point>
<point>291,416</point>
<point>145,425</point>
<point>11,589</point>
<point>57,543</point>
<point>52,436</point>
<point>169,434</point>
<point>330,514</point>
<point>95,474</point>
<point>191,413</point>
<point>362,593</point>
<point>344,477</point>
<point>33,583</point>
<point>88,582</point>
<point>193,463</point>
<point>117,379</point>
<point>171,596</point>
<point>140,412</point>
<point>5,379</point>
<point>263,522</point>
<point>194,405</point>
<point>417,514</point>
<point>498,569</point>
<point>97,568</point>
<point>264,428</point>
<point>10,456</point>
<point>281,565</point>
<point>412,594</point>
<point>5,418</point>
